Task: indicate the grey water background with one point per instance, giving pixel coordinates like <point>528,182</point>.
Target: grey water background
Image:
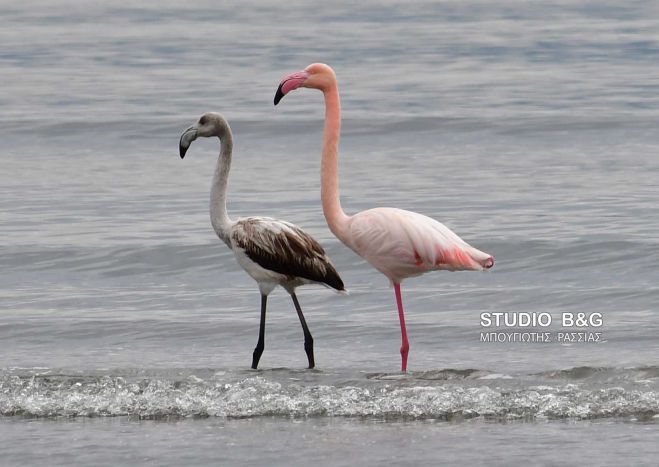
<point>126,328</point>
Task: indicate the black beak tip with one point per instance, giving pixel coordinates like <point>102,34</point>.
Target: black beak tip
<point>182,151</point>
<point>279,94</point>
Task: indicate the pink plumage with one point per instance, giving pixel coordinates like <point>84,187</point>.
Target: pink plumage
<point>398,243</point>
<point>402,244</point>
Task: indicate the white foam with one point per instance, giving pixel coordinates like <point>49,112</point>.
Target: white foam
<point>259,396</point>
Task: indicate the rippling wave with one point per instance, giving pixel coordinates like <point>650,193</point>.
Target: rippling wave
<point>443,395</point>
<point>173,258</point>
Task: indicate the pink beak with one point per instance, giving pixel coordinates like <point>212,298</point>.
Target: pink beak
<point>290,83</point>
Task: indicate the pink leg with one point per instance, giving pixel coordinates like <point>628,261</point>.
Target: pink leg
<point>405,348</point>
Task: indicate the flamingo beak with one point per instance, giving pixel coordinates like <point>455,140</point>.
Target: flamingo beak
<point>290,83</point>
<point>279,94</point>
<point>186,140</point>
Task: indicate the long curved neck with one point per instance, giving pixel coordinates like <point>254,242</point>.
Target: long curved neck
<point>337,220</point>
<point>218,208</point>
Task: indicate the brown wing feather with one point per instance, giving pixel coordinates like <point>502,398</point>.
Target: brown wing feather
<point>286,249</point>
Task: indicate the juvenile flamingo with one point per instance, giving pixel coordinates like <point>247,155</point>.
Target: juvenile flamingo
<point>272,251</point>
<point>398,243</point>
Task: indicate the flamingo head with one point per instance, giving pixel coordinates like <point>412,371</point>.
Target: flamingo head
<point>316,75</point>
<point>209,124</point>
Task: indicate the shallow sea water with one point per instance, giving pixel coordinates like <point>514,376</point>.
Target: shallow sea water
<point>127,329</point>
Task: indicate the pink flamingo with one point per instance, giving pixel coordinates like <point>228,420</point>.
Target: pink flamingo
<point>398,243</point>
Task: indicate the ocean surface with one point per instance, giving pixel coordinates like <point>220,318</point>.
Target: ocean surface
<point>127,328</point>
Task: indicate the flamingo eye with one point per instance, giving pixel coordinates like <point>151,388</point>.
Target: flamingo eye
<point>202,120</point>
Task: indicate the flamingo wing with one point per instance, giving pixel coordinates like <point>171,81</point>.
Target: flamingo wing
<point>404,244</point>
<point>286,249</point>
